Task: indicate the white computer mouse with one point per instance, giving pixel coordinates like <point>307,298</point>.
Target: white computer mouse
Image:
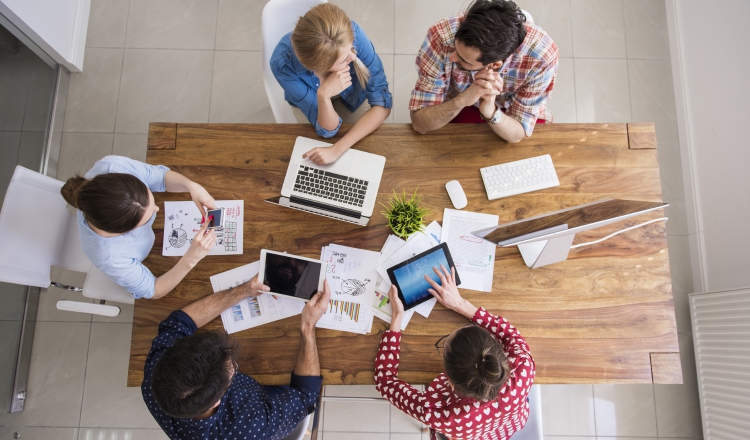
<point>457,194</point>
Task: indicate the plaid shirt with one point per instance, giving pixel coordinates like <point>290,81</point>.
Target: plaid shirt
<point>528,74</point>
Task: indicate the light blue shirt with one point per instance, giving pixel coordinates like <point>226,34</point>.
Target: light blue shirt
<point>120,257</point>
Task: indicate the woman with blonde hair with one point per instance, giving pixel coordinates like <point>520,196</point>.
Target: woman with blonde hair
<point>328,56</point>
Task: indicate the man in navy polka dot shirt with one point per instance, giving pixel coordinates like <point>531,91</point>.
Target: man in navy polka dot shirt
<point>193,389</point>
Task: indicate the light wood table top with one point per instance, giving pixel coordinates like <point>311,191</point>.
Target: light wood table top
<point>606,315</point>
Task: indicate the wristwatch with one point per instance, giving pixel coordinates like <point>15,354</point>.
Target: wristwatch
<point>495,117</point>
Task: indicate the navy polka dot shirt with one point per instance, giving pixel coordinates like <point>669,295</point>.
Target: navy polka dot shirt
<point>246,411</point>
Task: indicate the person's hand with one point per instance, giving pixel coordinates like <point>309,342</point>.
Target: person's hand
<point>492,77</point>
<point>324,155</point>
<point>477,89</point>
<point>316,307</point>
<point>487,106</point>
<point>202,198</point>
<point>202,243</point>
<point>397,309</point>
<point>334,83</point>
<point>251,288</point>
<point>447,292</point>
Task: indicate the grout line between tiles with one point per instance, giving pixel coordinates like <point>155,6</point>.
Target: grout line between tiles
<point>213,64</point>
<point>85,370</point>
<point>119,83</point>
<point>593,408</point>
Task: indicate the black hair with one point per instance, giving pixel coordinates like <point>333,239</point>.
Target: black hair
<point>193,374</point>
<point>112,202</point>
<point>475,363</point>
<point>495,27</point>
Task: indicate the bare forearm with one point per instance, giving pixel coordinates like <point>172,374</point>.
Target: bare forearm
<point>176,182</point>
<point>173,277</point>
<point>466,309</point>
<point>509,129</point>
<point>369,122</point>
<point>327,116</point>
<point>308,363</point>
<point>432,117</point>
<point>209,307</point>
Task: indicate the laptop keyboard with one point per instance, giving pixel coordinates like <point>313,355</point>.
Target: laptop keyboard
<point>331,186</point>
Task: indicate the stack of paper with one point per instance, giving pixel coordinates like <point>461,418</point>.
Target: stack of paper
<point>474,257</point>
<point>252,311</point>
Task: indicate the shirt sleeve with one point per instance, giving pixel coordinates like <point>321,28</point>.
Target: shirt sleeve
<point>296,91</point>
<point>528,101</point>
<point>130,274</point>
<point>432,81</point>
<point>151,175</point>
<point>404,396</point>
<point>519,357</point>
<point>377,87</point>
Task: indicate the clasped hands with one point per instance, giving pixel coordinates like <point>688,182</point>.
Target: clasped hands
<point>486,86</point>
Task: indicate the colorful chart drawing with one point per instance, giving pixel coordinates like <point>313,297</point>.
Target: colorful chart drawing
<point>237,313</point>
<point>177,238</point>
<point>254,307</point>
<point>341,309</point>
<point>381,300</point>
<point>354,287</point>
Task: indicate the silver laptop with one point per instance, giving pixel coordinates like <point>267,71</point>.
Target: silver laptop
<point>345,190</point>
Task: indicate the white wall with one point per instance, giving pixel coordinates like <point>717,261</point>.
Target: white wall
<point>710,49</point>
<point>57,26</point>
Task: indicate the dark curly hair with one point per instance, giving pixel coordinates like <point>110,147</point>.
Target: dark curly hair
<point>495,27</point>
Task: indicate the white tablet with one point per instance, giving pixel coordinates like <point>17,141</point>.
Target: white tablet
<point>291,275</point>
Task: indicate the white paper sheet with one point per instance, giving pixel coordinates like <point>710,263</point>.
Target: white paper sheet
<point>351,276</point>
<point>182,220</point>
<point>253,311</point>
<point>474,258</point>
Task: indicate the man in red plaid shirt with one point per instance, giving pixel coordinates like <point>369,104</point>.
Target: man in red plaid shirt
<point>485,65</point>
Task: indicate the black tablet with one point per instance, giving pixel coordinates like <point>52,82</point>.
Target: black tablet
<point>291,275</point>
<point>408,276</point>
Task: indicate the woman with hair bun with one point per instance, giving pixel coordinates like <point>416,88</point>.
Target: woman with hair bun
<point>328,57</point>
<point>115,209</point>
<point>488,372</point>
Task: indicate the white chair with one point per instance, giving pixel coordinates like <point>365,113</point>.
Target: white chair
<point>529,18</point>
<point>533,428</point>
<point>300,430</point>
<point>37,232</point>
<point>279,18</point>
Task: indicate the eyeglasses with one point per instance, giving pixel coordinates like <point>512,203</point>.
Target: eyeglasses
<point>440,344</point>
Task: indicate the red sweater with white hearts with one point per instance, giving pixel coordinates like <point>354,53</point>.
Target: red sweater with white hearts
<point>460,417</point>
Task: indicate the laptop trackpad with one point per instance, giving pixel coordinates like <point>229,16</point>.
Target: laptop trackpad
<point>342,165</point>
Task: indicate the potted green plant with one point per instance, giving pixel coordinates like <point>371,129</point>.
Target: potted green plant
<point>405,216</point>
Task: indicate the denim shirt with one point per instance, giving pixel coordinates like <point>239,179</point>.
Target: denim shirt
<point>301,85</point>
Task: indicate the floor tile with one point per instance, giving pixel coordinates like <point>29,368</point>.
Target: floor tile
<point>414,17</point>
<point>402,436</point>
<point>11,331</point>
<point>652,97</point>
<point>9,143</point>
<point>125,316</point>
<point>172,24</point>
<point>163,86</point>
<point>388,67</point>
<point>108,21</point>
<point>107,401</point>
<point>554,17</point>
<point>80,151</point>
<point>678,411</point>
<point>602,90</point>
<point>56,375</point>
<point>598,28</point>
<point>646,30</point>
<point>10,298</point>
<point>355,436</point>
<point>27,433</point>
<point>402,422</point>
<point>567,437</point>
<point>626,438</point>
<point>405,77</point>
<point>568,410</point>
<point>131,145</point>
<point>347,416</point>
<point>237,94</point>
<point>351,391</point>
<point>682,279</point>
<point>625,410</point>
<point>39,98</point>
<point>32,149</point>
<point>92,94</point>
<point>238,25</point>
<point>47,310</point>
<point>375,18</point>
<point>15,77</point>
<point>562,102</point>
<point>121,434</point>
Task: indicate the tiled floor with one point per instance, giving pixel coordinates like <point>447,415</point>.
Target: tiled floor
<point>199,61</point>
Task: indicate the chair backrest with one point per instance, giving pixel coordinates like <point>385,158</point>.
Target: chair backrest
<point>37,231</point>
<point>533,429</point>
<point>279,18</point>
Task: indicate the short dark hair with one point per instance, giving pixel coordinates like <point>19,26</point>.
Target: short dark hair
<point>193,374</point>
<point>495,27</point>
<point>475,363</point>
<point>112,202</point>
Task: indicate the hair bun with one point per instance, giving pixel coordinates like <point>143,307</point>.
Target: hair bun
<point>72,188</point>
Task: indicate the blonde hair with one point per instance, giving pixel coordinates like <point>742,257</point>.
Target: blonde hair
<point>319,35</point>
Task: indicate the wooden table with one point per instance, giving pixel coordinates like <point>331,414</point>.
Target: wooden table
<point>605,315</point>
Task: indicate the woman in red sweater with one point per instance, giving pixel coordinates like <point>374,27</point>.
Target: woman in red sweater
<point>488,372</point>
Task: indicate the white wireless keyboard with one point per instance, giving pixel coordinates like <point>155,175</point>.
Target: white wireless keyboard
<point>519,177</point>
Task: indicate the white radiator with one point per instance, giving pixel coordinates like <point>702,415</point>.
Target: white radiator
<point>721,334</point>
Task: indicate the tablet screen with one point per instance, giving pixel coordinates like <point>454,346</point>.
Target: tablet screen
<point>410,278</point>
<point>291,276</point>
